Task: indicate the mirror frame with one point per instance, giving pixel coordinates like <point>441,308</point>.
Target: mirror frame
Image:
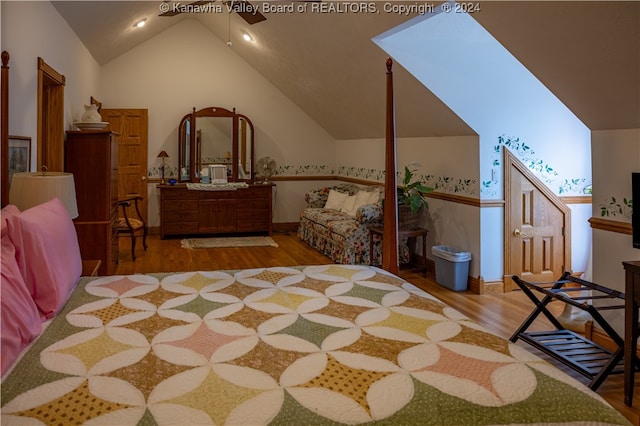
<point>193,148</point>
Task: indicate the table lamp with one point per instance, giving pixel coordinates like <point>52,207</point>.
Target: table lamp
<point>163,155</point>
<point>30,189</point>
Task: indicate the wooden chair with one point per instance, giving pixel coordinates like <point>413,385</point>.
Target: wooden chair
<point>131,225</point>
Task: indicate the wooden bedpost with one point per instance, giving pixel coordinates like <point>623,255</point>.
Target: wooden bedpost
<point>4,128</point>
<point>390,235</point>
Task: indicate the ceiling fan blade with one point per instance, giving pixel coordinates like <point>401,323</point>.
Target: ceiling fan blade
<point>171,11</point>
<point>247,11</point>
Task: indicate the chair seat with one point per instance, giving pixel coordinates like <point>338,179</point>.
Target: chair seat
<point>121,224</point>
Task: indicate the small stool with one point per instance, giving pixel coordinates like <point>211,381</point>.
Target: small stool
<point>402,233</point>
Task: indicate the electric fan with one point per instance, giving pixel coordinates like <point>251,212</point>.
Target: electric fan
<point>265,168</point>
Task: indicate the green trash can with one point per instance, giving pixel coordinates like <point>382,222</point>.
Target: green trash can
<point>452,267</point>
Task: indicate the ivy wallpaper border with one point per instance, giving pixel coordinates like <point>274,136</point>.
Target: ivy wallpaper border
<point>447,184</point>
<point>546,173</point>
<point>614,207</point>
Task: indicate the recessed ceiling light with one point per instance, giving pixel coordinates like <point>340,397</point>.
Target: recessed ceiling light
<point>247,36</point>
<point>140,23</point>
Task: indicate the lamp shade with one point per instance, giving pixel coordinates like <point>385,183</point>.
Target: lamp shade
<point>163,154</point>
<point>30,189</point>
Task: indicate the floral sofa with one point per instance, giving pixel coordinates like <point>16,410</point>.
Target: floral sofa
<point>341,236</point>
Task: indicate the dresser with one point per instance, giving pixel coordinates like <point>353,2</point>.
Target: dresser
<point>189,212</point>
<point>92,157</point>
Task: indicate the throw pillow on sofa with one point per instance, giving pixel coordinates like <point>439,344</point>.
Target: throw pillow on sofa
<point>360,199</point>
<point>335,200</point>
<point>348,205</point>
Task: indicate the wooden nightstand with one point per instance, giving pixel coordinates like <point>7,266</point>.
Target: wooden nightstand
<point>90,267</point>
<point>402,233</point>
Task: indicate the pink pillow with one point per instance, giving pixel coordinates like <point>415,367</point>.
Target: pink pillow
<point>20,318</point>
<point>6,212</point>
<point>47,252</point>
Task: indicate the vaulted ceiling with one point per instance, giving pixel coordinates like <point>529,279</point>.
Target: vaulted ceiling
<point>586,52</point>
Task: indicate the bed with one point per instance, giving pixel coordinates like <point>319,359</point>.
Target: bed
<point>317,344</point>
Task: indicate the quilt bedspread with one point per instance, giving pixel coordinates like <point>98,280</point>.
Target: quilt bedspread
<point>327,344</point>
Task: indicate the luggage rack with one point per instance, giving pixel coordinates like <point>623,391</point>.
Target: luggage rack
<point>575,351</point>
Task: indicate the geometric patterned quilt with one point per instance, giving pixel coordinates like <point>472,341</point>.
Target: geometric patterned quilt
<point>327,344</point>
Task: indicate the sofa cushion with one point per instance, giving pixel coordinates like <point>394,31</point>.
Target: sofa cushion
<point>324,217</point>
<point>360,199</point>
<point>335,200</point>
<point>343,228</point>
<point>374,196</point>
<point>347,206</point>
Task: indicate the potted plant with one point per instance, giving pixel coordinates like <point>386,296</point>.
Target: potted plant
<point>411,198</point>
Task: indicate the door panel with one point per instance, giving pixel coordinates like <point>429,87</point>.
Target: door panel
<point>132,124</point>
<point>537,241</point>
<point>538,233</point>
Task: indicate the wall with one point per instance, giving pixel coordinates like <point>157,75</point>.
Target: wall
<point>32,29</point>
<point>447,164</point>
<point>507,106</point>
<point>159,75</point>
<point>616,153</point>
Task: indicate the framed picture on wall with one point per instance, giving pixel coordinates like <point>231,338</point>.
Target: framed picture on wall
<point>19,155</point>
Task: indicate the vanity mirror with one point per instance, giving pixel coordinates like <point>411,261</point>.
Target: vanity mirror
<point>215,136</point>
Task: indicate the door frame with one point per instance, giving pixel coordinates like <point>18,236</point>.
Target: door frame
<point>50,142</point>
<point>511,161</point>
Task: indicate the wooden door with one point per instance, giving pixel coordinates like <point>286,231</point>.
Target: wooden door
<point>537,227</point>
<point>132,124</point>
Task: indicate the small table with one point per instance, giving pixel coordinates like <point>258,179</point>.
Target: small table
<point>632,302</point>
<point>402,233</point>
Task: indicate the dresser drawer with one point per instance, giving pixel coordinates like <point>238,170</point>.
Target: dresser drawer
<point>173,216</point>
<point>252,213</point>
<point>255,192</point>
<point>217,195</point>
<point>179,205</point>
<point>254,204</point>
<point>180,228</point>
<point>179,194</point>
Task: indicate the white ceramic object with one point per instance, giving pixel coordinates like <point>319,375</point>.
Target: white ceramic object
<point>91,114</point>
<point>90,125</point>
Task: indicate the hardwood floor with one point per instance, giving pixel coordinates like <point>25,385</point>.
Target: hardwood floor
<point>499,313</point>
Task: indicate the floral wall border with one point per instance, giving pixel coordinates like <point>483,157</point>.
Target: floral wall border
<point>447,184</point>
<point>568,186</point>
<point>615,208</point>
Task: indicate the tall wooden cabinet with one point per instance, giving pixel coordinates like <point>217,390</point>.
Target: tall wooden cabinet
<point>92,157</point>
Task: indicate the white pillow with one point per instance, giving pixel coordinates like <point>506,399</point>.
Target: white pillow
<point>335,200</point>
<point>348,204</point>
<point>360,199</point>
<point>374,197</point>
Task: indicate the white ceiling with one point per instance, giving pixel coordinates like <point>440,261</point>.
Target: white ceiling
<point>586,52</point>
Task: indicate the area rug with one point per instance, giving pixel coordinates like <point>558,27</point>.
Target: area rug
<point>219,242</point>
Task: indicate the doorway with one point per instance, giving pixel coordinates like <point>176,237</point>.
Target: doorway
<point>50,118</point>
<point>132,126</point>
<point>537,227</point>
